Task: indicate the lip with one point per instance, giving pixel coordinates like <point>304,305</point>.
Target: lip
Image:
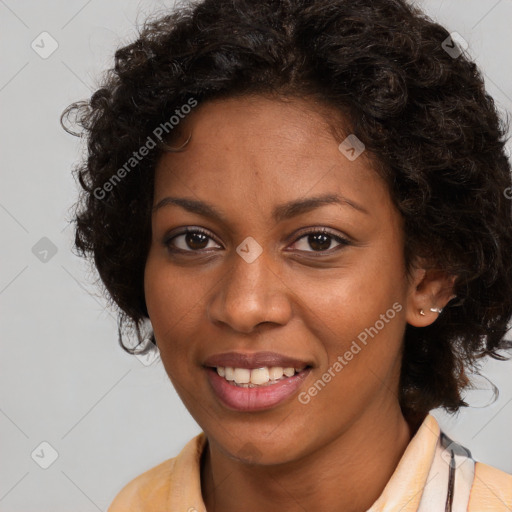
<point>254,360</point>
<point>258,398</point>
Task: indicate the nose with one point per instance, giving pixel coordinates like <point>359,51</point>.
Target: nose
<point>250,294</point>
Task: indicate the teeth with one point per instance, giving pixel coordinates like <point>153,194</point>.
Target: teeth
<point>260,376</point>
<point>246,377</point>
<point>276,372</point>
<point>242,375</point>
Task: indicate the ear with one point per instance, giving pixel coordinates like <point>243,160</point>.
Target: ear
<point>428,288</point>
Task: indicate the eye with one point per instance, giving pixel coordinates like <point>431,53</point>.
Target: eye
<point>189,240</point>
<point>320,240</point>
<point>197,239</point>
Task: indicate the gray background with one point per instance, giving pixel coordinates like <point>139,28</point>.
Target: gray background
<point>63,379</point>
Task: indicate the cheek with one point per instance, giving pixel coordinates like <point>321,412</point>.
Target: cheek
<point>361,329</point>
<point>363,323</point>
<point>352,298</point>
<point>359,316</point>
<point>172,293</point>
<point>173,307</point>
<point>173,304</point>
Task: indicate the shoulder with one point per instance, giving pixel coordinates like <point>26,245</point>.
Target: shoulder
<point>491,490</point>
<point>145,490</point>
<point>167,485</point>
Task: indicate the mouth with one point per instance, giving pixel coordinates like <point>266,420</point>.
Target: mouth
<point>253,382</point>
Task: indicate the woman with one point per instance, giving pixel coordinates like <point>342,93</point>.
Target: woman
<point>308,202</point>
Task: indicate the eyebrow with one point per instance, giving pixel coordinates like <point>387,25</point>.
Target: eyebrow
<point>282,212</point>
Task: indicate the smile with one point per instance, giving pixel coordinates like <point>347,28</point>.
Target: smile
<point>265,376</point>
<point>250,397</point>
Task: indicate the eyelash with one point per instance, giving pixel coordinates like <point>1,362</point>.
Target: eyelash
<point>323,231</point>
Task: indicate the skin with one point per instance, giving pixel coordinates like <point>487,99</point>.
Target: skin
<point>246,156</point>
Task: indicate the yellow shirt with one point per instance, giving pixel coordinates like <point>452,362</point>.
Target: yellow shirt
<point>434,474</point>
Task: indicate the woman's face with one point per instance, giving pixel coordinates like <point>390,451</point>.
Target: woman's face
<point>259,288</point>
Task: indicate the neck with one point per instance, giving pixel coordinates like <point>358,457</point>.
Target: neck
<point>347,474</point>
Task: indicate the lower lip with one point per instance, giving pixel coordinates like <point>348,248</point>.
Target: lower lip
<point>257,398</point>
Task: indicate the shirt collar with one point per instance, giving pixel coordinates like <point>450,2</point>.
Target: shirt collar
<point>405,487</point>
<point>402,492</point>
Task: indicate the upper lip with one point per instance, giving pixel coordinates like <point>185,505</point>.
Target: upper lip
<point>254,360</point>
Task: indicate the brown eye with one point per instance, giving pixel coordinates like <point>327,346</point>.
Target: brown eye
<point>191,240</point>
<point>196,240</point>
<point>320,241</point>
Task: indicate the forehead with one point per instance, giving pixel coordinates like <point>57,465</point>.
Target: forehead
<point>260,150</point>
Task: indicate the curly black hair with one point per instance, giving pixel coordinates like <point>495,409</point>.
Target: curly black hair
<point>420,109</point>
